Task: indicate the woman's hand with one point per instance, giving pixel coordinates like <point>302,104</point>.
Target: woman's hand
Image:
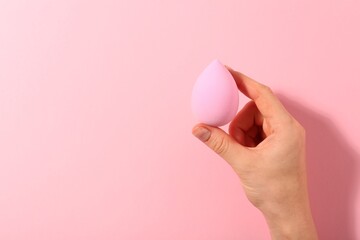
<point>266,148</point>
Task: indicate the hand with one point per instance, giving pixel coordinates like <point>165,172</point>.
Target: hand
<point>266,148</point>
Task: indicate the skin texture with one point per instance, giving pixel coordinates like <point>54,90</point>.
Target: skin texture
<point>266,148</point>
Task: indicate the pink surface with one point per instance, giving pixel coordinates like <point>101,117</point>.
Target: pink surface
<point>215,96</point>
<point>95,120</point>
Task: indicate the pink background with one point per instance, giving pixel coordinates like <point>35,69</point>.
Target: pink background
<point>95,119</point>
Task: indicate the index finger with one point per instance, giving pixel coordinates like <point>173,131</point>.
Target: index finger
<point>267,103</point>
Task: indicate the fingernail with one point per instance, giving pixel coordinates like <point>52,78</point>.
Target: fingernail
<point>201,133</point>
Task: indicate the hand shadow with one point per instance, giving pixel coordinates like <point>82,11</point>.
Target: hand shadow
<point>332,174</point>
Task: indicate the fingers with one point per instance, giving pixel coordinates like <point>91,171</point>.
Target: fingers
<point>245,126</point>
<point>267,103</point>
<point>220,142</point>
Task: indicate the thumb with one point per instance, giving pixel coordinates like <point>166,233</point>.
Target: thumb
<point>220,142</point>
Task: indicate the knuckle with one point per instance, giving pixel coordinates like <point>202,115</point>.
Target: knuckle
<point>220,145</point>
<point>297,129</point>
<point>302,130</point>
<point>262,90</point>
<point>298,126</point>
<point>265,88</point>
<point>290,121</point>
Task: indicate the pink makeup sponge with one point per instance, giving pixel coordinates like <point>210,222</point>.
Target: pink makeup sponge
<point>215,97</point>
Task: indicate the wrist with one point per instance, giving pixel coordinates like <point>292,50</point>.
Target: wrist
<point>287,211</point>
<point>290,222</point>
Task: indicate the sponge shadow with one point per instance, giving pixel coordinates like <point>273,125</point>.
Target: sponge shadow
<point>332,173</point>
